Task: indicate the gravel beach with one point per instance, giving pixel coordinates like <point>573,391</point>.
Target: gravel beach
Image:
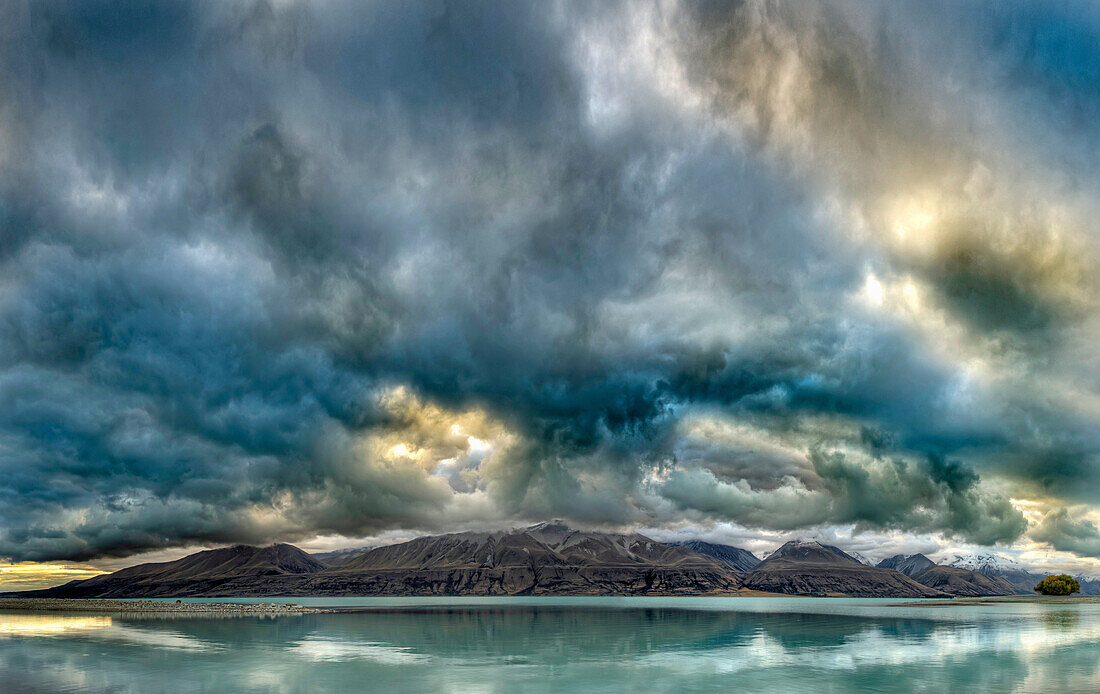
<point>151,607</point>
<point>1004,599</point>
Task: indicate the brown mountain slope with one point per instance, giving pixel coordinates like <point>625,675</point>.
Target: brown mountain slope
<point>958,581</point>
<point>812,568</point>
<point>908,564</point>
<point>950,579</point>
<point>545,559</point>
<point>734,557</point>
<point>340,556</point>
<point>212,572</point>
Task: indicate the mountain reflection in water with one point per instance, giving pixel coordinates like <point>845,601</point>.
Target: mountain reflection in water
<point>502,647</point>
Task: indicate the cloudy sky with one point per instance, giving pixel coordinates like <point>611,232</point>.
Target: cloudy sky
<point>335,273</point>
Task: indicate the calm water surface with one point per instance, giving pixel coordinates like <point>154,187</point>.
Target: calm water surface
<point>565,645</point>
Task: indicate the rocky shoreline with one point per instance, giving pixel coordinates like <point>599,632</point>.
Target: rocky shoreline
<point>152,607</point>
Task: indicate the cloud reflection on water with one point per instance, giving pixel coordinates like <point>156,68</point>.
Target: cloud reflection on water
<point>514,647</point>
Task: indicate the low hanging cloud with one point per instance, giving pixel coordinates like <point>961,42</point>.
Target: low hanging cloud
<point>281,270</point>
<point>777,486</point>
<point>1062,531</point>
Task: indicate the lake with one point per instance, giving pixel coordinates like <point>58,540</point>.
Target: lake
<point>573,645</point>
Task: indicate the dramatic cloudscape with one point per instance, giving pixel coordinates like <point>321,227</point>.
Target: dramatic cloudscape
<point>336,273</point>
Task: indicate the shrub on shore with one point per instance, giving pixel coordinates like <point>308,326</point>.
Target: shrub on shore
<point>1063,584</point>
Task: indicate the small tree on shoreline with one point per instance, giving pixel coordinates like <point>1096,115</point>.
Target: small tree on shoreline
<point>1063,584</point>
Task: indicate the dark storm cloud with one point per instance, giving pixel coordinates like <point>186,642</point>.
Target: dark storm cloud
<point>271,270</point>
<point>931,495</point>
<point>928,140</point>
<point>823,82</point>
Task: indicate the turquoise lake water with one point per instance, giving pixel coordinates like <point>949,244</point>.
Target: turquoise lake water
<point>499,645</point>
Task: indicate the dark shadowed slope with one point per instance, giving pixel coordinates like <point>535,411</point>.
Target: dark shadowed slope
<point>546,559</point>
<point>963,582</point>
<point>812,568</point>
<point>340,556</point>
<point>216,571</point>
<point>908,564</point>
<point>990,564</point>
<point>1089,586</point>
<point>950,579</point>
<point>733,557</point>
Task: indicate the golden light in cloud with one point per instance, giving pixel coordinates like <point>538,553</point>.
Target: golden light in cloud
<point>1033,510</point>
<point>908,300</point>
<point>912,218</point>
<point>400,450</point>
<point>435,438</point>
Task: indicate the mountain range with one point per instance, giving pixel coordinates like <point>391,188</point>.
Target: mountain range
<point>1022,578</point>
<point>977,574</point>
<point>908,564</point>
<point>989,564</point>
<point>813,568</point>
<point>550,559</point>
<point>734,557</point>
<point>951,579</point>
<point>340,556</point>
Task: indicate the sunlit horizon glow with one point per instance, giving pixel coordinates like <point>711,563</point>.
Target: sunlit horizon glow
<point>35,575</point>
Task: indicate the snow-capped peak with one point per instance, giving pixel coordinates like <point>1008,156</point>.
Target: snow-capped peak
<point>802,543</point>
<point>862,559</point>
<point>983,561</point>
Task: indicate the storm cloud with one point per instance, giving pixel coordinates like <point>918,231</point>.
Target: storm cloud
<point>281,270</point>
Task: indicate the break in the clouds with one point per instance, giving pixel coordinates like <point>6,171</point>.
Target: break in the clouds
<point>288,270</point>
